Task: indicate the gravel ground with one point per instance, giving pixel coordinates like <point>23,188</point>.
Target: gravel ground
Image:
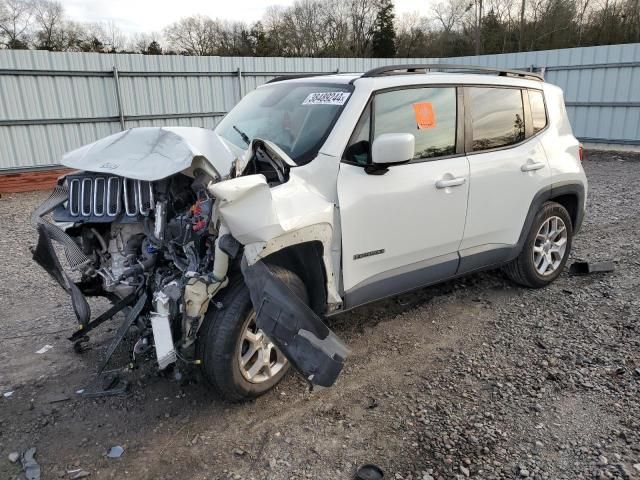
<point>474,378</point>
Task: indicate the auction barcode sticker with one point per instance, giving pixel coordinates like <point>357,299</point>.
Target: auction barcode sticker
<point>326,98</point>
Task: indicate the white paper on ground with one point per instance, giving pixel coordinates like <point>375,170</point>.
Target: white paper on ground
<point>45,349</point>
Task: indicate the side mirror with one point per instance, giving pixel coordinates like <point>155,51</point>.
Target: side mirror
<point>390,148</point>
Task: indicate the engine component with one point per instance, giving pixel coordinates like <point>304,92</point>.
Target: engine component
<point>123,248</point>
<point>161,326</point>
<point>198,292</point>
<point>133,240</point>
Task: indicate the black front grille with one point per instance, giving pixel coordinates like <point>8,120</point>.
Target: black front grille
<point>105,197</point>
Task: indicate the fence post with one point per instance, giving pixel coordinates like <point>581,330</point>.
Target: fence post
<point>118,97</point>
<point>240,89</point>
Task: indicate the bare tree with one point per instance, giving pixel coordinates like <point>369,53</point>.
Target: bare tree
<point>146,43</point>
<point>16,18</point>
<point>192,35</point>
<point>49,17</point>
<point>411,34</point>
<point>112,37</point>
<point>450,13</point>
<point>363,16</point>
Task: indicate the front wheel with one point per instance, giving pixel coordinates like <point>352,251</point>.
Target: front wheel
<point>546,248</point>
<point>238,360</point>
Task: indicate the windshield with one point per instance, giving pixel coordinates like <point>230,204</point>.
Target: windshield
<point>295,116</point>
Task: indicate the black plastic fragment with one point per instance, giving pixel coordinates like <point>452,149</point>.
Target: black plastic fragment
<point>103,317</point>
<point>105,385</point>
<point>229,245</point>
<point>311,347</point>
<point>369,472</point>
<point>586,268</point>
<point>123,329</point>
<point>45,256</point>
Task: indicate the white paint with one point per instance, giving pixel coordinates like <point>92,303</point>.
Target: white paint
<point>415,212</point>
<point>152,153</point>
<point>393,148</point>
<point>500,193</point>
<point>246,204</point>
<point>44,349</point>
<point>401,212</point>
<point>163,340</point>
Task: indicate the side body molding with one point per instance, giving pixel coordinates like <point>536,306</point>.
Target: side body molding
<point>311,347</point>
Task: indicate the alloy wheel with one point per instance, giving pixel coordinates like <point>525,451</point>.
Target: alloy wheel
<point>259,359</point>
<point>549,246</point>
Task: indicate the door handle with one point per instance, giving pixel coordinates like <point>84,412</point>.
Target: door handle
<point>453,182</point>
<point>531,166</point>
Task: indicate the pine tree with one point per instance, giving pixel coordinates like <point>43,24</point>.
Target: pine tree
<point>384,33</point>
<point>154,48</point>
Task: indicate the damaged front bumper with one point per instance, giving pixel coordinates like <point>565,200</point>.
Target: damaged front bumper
<point>45,255</point>
<point>301,335</point>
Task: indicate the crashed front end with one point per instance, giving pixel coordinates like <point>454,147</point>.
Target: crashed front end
<point>153,222</point>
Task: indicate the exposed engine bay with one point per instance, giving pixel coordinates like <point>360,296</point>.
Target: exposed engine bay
<point>163,238</point>
<point>163,221</point>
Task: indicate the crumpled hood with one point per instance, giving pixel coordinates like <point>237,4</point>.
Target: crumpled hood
<point>151,153</point>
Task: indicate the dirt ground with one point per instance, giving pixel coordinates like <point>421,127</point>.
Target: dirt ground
<point>474,378</point>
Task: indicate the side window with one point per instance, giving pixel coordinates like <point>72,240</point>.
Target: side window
<point>538,112</point>
<point>427,113</point>
<point>497,117</point>
<point>358,149</point>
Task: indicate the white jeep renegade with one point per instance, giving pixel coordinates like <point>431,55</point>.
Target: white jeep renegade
<point>313,196</point>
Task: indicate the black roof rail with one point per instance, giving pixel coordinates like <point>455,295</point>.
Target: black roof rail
<point>413,68</point>
<point>293,76</point>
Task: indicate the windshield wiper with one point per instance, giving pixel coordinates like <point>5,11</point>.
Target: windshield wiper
<point>244,136</point>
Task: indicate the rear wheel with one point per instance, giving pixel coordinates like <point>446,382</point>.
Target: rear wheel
<point>545,249</point>
<point>238,360</point>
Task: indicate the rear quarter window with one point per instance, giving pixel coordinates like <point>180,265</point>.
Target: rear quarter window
<point>538,110</point>
<point>497,117</point>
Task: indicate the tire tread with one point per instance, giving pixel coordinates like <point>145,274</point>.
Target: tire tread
<point>520,270</point>
<point>217,337</point>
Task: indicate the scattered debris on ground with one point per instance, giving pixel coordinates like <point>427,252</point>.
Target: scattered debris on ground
<point>475,378</point>
<point>29,465</point>
<point>586,268</point>
<point>115,452</point>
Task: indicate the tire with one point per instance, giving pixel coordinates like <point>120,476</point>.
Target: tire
<point>221,341</point>
<point>526,269</point>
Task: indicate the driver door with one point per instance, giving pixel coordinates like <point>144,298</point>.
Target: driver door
<point>402,229</point>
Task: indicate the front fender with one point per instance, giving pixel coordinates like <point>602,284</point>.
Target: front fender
<point>265,220</point>
<point>311,347</point>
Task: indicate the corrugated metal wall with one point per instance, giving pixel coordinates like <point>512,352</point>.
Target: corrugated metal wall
<point>54,102</point>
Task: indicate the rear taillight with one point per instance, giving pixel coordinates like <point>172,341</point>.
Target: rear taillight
<point>581,152</point>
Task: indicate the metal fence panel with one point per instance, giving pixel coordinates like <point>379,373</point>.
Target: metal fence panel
<point>51,103</point>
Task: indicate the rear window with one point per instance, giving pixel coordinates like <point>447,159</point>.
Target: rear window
<point>538,112</point>
<point>497,117</point>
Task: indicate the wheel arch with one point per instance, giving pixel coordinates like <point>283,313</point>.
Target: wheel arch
<point>571,196</point>
<point>568,194</point>
<point>305,260</point>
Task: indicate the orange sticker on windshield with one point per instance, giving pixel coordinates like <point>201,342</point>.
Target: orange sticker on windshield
<point>425,118</point>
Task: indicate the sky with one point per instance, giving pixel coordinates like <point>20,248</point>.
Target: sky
<point>153,15</point>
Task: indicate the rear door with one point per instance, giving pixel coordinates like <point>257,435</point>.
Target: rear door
<point>401,229</point>
<point>508,167</point>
